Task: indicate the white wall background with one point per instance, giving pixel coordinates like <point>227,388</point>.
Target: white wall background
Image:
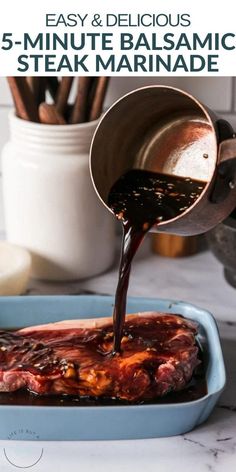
<point>219,93</point>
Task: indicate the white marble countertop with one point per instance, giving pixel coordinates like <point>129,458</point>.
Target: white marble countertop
<point>212,446</point>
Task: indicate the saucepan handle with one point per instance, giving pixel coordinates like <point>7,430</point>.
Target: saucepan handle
<point>227,150</point>
<point>225,180</point>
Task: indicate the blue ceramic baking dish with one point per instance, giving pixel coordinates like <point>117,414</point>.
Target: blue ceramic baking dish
<point>108,422</point>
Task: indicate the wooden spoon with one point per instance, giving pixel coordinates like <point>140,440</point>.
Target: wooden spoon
<point>49,115</point>
<point>79,110</point>
<point>37,86</point>
<point>26,107</point>
<point>63,93</point>
<point>98,99</point>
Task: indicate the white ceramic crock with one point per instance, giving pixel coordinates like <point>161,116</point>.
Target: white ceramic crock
<point>50,205</point>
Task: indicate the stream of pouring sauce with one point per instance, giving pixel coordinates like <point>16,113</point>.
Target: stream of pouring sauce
<point>142,199</point>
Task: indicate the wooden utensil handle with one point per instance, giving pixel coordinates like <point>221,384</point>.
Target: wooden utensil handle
<point>79,109</point>
<point>37,86</point>
<point>63,93</point>
<point>98,99</point>
<point>52,85</point>
<point>26,107</point>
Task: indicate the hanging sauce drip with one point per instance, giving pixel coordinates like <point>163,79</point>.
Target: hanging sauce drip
<point>142,199</point>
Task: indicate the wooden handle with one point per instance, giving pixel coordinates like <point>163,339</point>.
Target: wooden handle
<point>98,99</point>
<point>63,93</point>
<point>48,114</point>
<point>79,109</point>
<point>52,85</point>
<point>37,86</point>
<point>171,245</point>
<point>26,107</point>
<point>29,93</point>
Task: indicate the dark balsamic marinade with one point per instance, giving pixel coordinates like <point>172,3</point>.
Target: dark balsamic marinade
<point>142,199</point>
<point>72,366</point>
<point>196,389</point>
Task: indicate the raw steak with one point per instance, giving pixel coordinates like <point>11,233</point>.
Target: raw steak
<point>159,355</point>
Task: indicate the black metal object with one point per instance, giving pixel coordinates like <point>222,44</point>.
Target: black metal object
<point>226,171</point>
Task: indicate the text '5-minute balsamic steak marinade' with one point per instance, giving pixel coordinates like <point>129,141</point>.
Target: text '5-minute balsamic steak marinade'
<point>141,199</point>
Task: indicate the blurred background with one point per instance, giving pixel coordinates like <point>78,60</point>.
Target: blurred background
<point>219,93</point>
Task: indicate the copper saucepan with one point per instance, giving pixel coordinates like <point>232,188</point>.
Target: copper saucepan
<point>164,129</point>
